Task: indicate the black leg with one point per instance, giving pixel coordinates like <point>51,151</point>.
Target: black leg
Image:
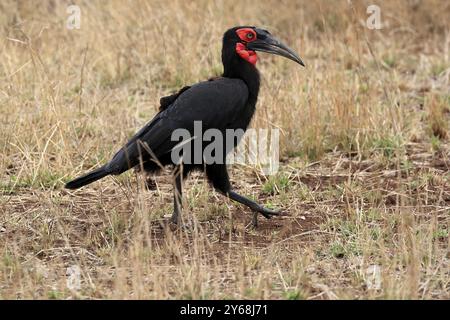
<point>177,195</point>
<point>218,175</point>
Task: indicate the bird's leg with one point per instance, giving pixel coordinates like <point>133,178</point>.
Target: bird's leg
<point>218,175</point>
<point>177,195</point>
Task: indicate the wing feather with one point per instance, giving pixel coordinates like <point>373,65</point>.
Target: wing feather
<point>214,103</point>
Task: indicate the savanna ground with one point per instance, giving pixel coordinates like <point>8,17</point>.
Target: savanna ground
<point>364,175</point>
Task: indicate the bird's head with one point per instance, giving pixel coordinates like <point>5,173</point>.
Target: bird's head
<point>245,41</point>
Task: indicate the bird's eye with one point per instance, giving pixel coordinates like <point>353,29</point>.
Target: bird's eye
<point>246,34</point>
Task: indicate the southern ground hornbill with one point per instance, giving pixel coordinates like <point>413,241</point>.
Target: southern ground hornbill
<point>222,103</point>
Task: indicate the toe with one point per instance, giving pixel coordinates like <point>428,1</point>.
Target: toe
<point>267,213</point>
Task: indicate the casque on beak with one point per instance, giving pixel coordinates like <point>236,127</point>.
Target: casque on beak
<point>272,45</point>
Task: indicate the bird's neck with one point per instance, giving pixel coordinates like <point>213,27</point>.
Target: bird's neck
<point>240,69</point>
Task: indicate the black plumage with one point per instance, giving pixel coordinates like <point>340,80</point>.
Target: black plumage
<point>222,103</point>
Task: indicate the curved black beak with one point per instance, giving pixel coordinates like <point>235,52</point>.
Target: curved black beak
<point>272,45</point>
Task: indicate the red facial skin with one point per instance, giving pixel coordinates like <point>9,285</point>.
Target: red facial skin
<point>246,35</point>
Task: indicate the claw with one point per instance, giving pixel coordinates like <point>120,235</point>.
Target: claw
<point>267,213</point>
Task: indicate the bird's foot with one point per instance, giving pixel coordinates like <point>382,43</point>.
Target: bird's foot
<point>177,224</point>
<point>267,213</point>
<point>175,219</point>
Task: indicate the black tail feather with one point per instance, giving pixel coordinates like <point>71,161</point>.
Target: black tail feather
<point>87,178</point>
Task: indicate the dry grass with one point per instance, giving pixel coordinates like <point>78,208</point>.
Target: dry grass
<point>365,174</point>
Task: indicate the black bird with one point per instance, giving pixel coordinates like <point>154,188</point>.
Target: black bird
<point>226,102</point>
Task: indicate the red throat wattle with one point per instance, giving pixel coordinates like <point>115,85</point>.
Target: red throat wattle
<point>247,55</point>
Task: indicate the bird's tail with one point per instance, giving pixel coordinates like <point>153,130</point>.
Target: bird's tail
<point>88,178</point>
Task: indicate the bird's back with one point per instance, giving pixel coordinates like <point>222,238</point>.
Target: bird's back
<point>218,104</point>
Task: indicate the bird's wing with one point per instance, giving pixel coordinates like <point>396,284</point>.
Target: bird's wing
<point>215,103</point>
<point>165,102</point>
